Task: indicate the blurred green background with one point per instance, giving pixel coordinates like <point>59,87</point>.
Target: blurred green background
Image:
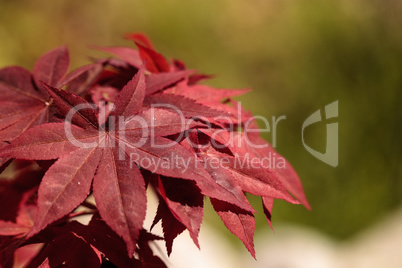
<point>298,56</point>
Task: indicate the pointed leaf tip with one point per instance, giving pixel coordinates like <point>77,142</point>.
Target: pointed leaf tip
<point>240,222</point>
<point>69,104</point>
<point>130,100</point>
<point>51,67</point>
<point>140,38</point>
<point>155,62</point>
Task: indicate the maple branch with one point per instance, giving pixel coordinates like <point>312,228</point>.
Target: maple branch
<point>81,213</point>
<point>88,205</point>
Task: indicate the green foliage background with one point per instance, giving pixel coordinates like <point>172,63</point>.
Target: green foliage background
<point>298,56</point>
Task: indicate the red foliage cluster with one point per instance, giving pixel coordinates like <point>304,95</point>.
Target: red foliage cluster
<point>107,132</point>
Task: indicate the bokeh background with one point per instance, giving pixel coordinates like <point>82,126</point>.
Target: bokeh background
<point>297,56</point>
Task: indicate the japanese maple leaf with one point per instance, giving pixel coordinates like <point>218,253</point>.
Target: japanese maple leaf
<point>185,106</point>
<point>205,94</point>
<point>247,143</point>
<point>159,81</point>
<point>171,226</point>
<point>251,144</point>
<point>180,207</point>
<point>213,100</point>
<point>25,103</point>
<point>128,54</point>
<point>80,80</point>
<point>238,173</point>
<point>24,220</point>
<point>140,38</point>
<point>154,61</point>
<point>96,243</point>
<point>92,152</point>
<point>155,81</point>
<point>18,208</point>
<point>238,221</point>
<point>77,253</point>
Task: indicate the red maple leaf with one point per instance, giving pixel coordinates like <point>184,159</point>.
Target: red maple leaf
<point>118,185</point>
<point>25,102</point>
<point>151,125</point>
<point>106,156</point>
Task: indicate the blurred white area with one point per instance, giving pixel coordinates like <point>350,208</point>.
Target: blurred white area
<point>289,247</point>
<point>380,246</point>
<point>293,247</point>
